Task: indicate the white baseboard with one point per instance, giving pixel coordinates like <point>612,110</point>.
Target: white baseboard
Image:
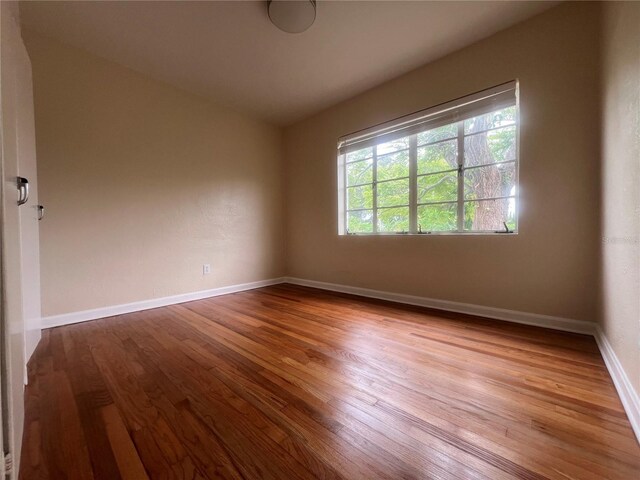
<point>628,396</point>
<point>547,321</point>
<point>558,323</point>
<point>85,315</point>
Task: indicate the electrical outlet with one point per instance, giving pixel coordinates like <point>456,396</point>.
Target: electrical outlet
<point>206,269</point>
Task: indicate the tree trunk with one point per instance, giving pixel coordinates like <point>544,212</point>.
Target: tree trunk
<point>483,182</point>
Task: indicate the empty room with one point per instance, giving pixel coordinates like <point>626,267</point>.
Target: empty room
<point>298,239</point>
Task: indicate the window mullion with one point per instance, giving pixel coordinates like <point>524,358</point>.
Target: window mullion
<point>375,189</point>
<point>413,183</point>
<point>345,198</point>
<point>461,176</point>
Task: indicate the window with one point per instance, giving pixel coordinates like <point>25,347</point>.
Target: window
<point>448,169</point>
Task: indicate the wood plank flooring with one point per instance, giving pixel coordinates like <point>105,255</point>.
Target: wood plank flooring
<point>287,383</point>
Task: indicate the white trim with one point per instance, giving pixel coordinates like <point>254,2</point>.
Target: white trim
<point>547,321</point>
<point>628,396</point>
<point>538,320</point>
<point>85,315</point>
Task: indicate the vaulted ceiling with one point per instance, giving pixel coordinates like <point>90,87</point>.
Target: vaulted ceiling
<point>231,53</point>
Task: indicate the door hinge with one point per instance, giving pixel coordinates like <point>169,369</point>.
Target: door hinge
<point>7,464</point>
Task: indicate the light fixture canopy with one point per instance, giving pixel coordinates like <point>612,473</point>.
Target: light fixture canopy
<point>292,16</point>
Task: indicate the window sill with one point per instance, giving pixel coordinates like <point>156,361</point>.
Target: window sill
<point>430,234</point>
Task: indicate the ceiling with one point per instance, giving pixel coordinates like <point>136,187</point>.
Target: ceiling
<point>232,54</point>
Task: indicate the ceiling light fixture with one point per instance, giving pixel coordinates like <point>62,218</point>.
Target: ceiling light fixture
<point>292,16</point>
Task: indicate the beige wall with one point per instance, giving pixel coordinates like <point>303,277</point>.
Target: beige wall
<point>551,267</point>
<point>621,184</point>
<point>144,183</point>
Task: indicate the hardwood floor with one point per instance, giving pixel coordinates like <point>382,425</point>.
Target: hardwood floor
<point>287,382</point>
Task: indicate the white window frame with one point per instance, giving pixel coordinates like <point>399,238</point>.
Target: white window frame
<point>455,111</point>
